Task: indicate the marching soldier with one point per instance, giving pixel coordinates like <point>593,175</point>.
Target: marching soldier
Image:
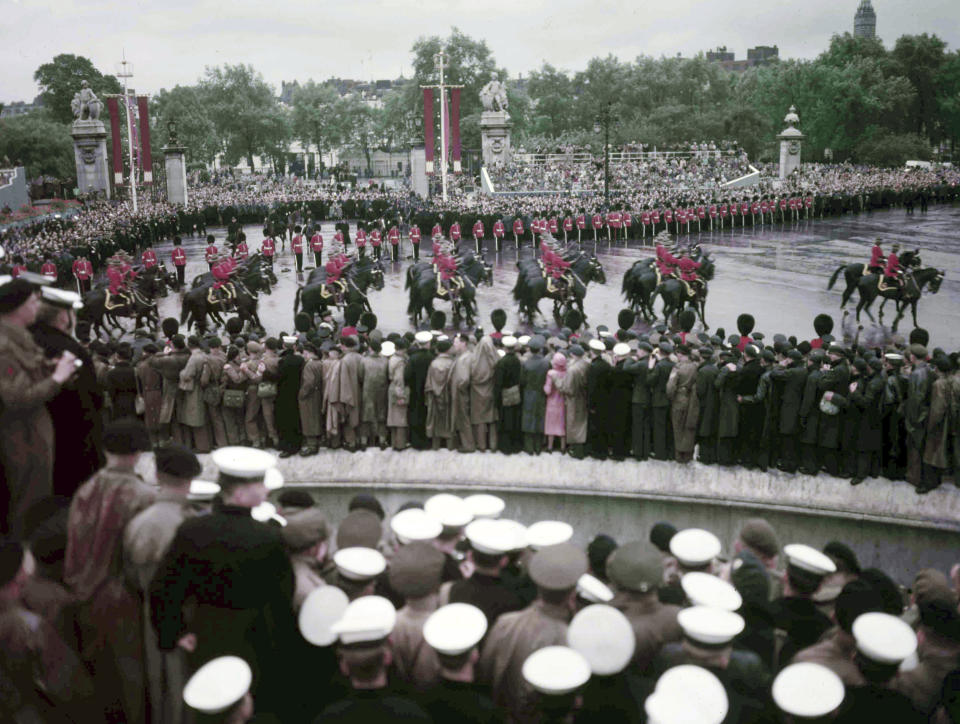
<point>394,238</point>
<point>268,247</point>
<point>498,233</point>
<point>478,233</point>
<point>49,270</point>
<point>241,251</point>
<point>83,274</point>
<point>375,241</point>
<point>149,258</point>
<point>210,253</point>
<point>517,230</point>
<point>179,258</point>
<point>296,245</point>
<point>316,246</point>
<point>415,241</point>
<point>361,242</point>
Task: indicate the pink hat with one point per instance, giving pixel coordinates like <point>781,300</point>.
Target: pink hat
<point>559,362</point>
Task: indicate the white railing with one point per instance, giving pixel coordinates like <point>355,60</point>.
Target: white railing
<point>746,180</point>
<point>619,156</point>
<point>7,176</point>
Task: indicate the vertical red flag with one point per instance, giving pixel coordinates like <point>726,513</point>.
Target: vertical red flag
<point>446,127</point>
<point>455,128</point>
<point>428,127</point>
<point>134,136</point>
<point>144,113</point>
<point>114,108</point>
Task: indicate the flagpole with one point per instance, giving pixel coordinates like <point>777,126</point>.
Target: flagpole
<point>124,73</point>
<point>438,58</point>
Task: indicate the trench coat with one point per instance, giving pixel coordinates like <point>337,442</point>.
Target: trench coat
<point>191,409</point>
<point>169,367</point>
<point>574,387</point>
<point>310,398</point>
<point>398,394</point>
<point>684,405</point>
<point>533,375</point>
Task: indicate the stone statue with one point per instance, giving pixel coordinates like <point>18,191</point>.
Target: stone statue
<point>493,96</point>
<point>172,139</point>
<point>85,104</point>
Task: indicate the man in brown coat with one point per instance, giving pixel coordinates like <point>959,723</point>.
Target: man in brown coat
<point>214,361</point>
<point>191,409</point>
<point>555,570</point>
<point>684,404</point>
<point>483,411</point>
<point>437,392</point>
<point>376,380</point>
<point>350,400</point>
<point>310,398</point>
<point>169,365</point>
<point>460,395</point>
<point>27,383</point>
<point>574,388</point>
<point>415,572</point>
<point>636,571</point>
<point>150,387</point>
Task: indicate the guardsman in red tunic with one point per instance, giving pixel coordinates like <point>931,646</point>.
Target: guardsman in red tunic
<point>498,233</point>
<point>316,246</point>
<point>517,230</point>
<point>210,253</point>
<point>596,221</point>
<point>567,227</point>
<point>892,272</point>
<point>221,275</point>
<point>627,223</point>
<point>645,219</point>
<point>455,232</point>
<point>581,226</point>
<point>179,258</point>
<point>714,212</point>
<point>241,251</point>
<point>437,231</point>
<point>876,265</point>
<point>393,236</point>
<point>361,242</point>
<point>268,247</point>
<point>149,258</point>
<point>666,262</point>
<point>375,241</point>
<point>478,234</point>
<point>296,245</point>
<point>687,268</point>
<point>614,223</point>
<point>783,209</point>
<point>553,225</point>
<point>18,267</point>
<point>49,270</point>
<point>415,241</point>
<point>82,274</point>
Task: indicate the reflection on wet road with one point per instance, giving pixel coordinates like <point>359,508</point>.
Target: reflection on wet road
<point>777,273</point>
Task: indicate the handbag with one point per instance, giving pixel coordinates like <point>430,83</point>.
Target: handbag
<point>827,407</point>
<point>212,394</point>
<point>234,399</point>
<point>511,396</point>
<point>266,390</point>
<point>140,405</point>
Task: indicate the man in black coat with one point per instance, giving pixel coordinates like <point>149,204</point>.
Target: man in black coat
<point>660,368</point>
<point>750,416</point>
<point>76,408</point>
<point>792,375</point>
<point>834,388</point>
<point>868,398</point>
<point>225,585</point>
<point>709,398</point>
<point>640,429</point>
<point>810,414</point>
<point>507,397</point>
<point>289,369</point>
<point>598,401</point>
<point>415,377</point>
<point>621,394</point>
<point>120,383</point>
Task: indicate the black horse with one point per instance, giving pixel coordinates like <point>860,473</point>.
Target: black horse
<point>531,285</point>
<point>853,273</point>
<point>139,305</point>
<point>358,276</point>
<point>677,294</point>
<point>907,294</point>
<point>639,283</point>
<point>421,282</point>
<point>202,301</point>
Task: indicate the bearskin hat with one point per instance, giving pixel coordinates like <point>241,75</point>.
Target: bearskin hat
<point>920,336</point>
<point>573,319</point>
<point>234,326</point>
<point>626,318</point>
<point>823,324</point>
<point>170,326</point>
<point>302,322</point>
<point>351,314</point>
<point>498,318</point>
<point>687,318</point>
<point>369,320</point>
<point>746,323</point>
<point>438,320</point>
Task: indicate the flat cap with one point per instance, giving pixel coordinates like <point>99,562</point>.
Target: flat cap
<point>415,569</point>
<point>758,534</point>
<point>635,566</point>
<point>360,529</point>
<point>304,528</point>
<point>558,567</point>
<point>177,461</point>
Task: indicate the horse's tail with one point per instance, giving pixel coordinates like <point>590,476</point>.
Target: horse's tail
<point>833,279</point>
<point>296,301</point>
<point>185,309</point>
<point>518,287</point>
<point>406,281</point>
<point>626,286</point>
<point>413,305</point>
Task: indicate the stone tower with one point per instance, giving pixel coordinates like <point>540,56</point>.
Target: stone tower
<point>865,21</point>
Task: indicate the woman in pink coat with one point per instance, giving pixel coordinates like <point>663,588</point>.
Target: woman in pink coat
<point>555,424</point>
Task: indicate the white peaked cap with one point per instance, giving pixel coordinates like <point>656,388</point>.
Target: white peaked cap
<point>703,589</point>
<point>711,626</point>
<point>455,628</point>
<point>592,589</point>
<point>548,533</point>
<point>604,637</point>
<point>807,690</point>
<point>243,462</point>
<point>884,638</point>
<point>369,618</point>
<point>695,547</point>
<point>218,685</point>
<point>451,510</point>
<point>359,564</point>
<point>415,524</point>
<point>320,610</point>
<point>556,670</point>
<point>687,694</point>
<point>484,505</point>
<point>809,559</point>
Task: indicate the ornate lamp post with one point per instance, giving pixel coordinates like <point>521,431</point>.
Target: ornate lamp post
<point>603,122</point>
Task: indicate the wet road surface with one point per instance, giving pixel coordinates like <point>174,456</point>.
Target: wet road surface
<point>777,273</point>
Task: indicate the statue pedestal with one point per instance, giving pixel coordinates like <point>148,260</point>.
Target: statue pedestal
<point>418,171</point>
<point>175,164</point>
<point>495,137</point>
<point>791,141</point>
<point>90,153</point>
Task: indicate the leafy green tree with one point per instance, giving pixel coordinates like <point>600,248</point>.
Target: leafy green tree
<point>920,58</point>
<point>244,111</point>
<point>60,79</point>
<point>42,144</point>
<point>551,101</point>
<point>186,107</point>
<point>315,118</point>
<point>948,100</point>
<point>883,148</point>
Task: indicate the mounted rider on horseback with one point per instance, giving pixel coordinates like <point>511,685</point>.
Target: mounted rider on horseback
<point>120,273</point>
<point>687,273</point>
<point>445,267</point>
<point>892,277</point>
<point>334,285</point>
<point>556,269</point>
<point>877,261</point>
<point>223,291</point>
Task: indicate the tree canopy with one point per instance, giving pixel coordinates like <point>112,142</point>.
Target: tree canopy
<point>60,79</point>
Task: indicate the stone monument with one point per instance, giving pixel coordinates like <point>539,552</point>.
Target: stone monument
<point>89,142</point>
<point>175,165</point>
<point>495,123</point>
<point>790,143</point>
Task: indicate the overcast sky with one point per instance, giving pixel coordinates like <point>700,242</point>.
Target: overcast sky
<point>169,42</point>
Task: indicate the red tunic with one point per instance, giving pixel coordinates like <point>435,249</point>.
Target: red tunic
<point>375,238</point>
<point>49,270</point>
<point>645,218</point>
<point>338,237</point>
<point>518,226</point>
<point>581,222</point>
<point>221,273</point>
<point>478,230</point>
<point>149,258</point>
<point>316,243</point>
<point>568,224</point>
<point>117,277</point>
<point>668,216</point>
<point>211,254</point>
<point>179,256</point>
<point>455,231</point>
<point>361,238</point>
<point>893,267</point>
<point>614,220</point>
<point>553,225</point>
<point>242,251</point>
<point>498,229</point>
<point>876,256</point>
<point>597,221</point>
<point>296,244</point>
<point>688,269</point>
<point>415,234</point>
<point>437,230</point>
<point>268,247</point>
<point>80,270</point>
<point>394,235</point>
<point>333,271</point>
<point>447,266</point>
<point>627,220</point>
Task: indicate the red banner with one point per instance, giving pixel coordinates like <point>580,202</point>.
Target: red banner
<point>144,113</point>
<point>134,137</point>
<point>114,109</point>
<point>455,128</point>
<point>428,127</point>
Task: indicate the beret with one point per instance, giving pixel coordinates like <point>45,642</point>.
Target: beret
<point>13,294</point>
<point>177,461</point>
<point>415,569</point>
<point>126,436</point>
<point>360,528</point>
<point>304,528</point>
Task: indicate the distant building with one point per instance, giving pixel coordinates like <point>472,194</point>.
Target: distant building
<point>761,55</point>
<point>865,21</point>
<point>18,108</point>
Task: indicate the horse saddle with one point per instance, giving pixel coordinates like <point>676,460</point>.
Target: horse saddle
<point>223,295</point>
<point>453,285</point>
<point>882,285</point>
<point>330,290</point>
